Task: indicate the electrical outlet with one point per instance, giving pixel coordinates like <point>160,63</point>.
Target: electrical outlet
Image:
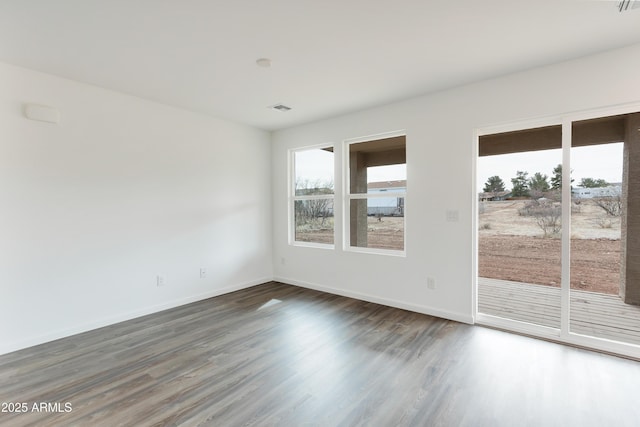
<point>203,272</point>
<point>452,215</point>
<point>431,283</point>
<point>160,280</point>
<point>283,261</point>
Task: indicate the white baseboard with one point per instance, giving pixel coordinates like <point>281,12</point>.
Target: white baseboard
<point>111,320</point>
<point>458,317</point>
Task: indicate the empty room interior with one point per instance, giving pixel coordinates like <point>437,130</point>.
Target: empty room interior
<point>293,212</point>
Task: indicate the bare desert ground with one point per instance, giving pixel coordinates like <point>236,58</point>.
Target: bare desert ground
<point>383,233</point>
<point>513,247</point>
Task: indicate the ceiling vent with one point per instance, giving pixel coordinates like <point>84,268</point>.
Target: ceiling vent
<point>625,5</point>
<point>280,107</point>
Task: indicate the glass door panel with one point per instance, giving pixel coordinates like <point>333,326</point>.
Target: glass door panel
<point>603,301</point>
<point>519,235</point>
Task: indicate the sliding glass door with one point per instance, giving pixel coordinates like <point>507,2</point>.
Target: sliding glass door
<point>558,239</point>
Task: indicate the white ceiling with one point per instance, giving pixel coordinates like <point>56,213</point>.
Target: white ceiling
<point>329,56</point>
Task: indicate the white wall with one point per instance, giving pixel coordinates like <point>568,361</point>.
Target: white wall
<point>440,152</point>
<point>121,190</point>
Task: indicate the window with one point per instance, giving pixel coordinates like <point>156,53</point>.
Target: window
<point>376,191</point>
<point>312,193</point>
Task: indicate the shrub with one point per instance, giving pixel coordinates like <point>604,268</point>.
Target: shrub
<point>529,207</point>
<point>548,219</point>
<point>546,213</point>
<point>576,207</point>
<point>611,205</point>
<point>604,222</point>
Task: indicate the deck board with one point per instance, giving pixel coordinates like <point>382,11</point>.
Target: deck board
<point>594,314</point>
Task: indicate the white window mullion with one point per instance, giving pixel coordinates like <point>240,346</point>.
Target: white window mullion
<point>565,288</point>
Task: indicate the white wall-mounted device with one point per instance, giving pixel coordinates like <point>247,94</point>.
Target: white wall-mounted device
<point>42,113</point>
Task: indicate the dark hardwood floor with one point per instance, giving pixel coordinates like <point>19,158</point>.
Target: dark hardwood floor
<point>285,356</point>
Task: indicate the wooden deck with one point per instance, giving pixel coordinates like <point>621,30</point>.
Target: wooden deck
<point>594,314</point>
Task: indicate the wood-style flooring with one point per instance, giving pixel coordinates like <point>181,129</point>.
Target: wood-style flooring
<point>278,355</point>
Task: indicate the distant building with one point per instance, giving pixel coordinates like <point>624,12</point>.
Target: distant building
<point>591,193</point>
<point>386,206</point>
<point>492,197</point>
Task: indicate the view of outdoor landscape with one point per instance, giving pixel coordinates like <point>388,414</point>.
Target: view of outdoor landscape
<point>520,228</point>
<point>519,236</point>
<point>517,245</point>
<point>384,232</point>
<point>313,195</point>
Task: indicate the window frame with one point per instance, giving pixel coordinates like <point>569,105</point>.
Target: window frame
<point>293,197</point>
<point>348,196</point>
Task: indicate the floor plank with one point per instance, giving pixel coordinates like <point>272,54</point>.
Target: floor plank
<point>278,355</point>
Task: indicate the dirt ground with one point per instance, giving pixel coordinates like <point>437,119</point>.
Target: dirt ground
<point>511,247</point>
<point>595,263</point>
<point>588,221</point>
<point>386,233</point>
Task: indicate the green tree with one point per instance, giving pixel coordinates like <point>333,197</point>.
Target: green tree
<point>593,183</point>
<point>520,184</point>
<point>556,179</point>
<point>539,183</point>
<point>494,185</point>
